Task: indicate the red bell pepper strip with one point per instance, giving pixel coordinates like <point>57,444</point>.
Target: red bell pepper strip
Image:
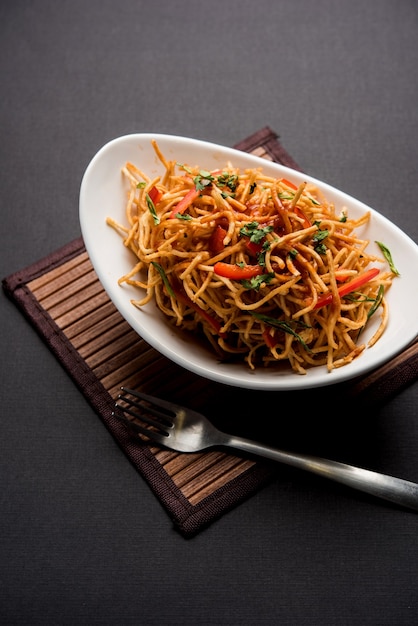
<point>302,215</point>
<point>216,243</point>
<point>235,272</point>
<point>183,297</point>
<point>347,288</point>
<point>270,339</point>
<point>155,194</point>
<point>253,248</point>
<point>343,277</point>
<point>288,183</point>
<point>185,202</point>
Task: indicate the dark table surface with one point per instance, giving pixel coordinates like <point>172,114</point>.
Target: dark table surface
<point>83,539</point>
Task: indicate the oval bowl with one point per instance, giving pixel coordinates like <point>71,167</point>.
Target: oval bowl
<point>103,194</point>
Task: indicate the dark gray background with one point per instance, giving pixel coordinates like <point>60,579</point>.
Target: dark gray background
<point>82,538</point>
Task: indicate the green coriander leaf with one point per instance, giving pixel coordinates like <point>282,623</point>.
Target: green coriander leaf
<point>388,256</point>
<point>185,168</point>
<point>256,281</point>
<point>281,325</point>
<point>261,256</point>
<point>321,248</point>
<point>357,296</point>
<point>152,210</point>
<point>201,182</point>
<point>320,235</point>
<point>315,202</point>
<point>248,229</point>
<point>163,275</point>
<point>226,194</point>
<point>255,233</point>
<point>141,185</point>
<point>228,180</point>
<point>376,304</point>
<point>317,238</point>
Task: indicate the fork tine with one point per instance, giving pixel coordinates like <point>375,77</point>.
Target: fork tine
<point>138,429</point>
<point>145,409</point>
<point>163,404</point>
<point>141,416</point>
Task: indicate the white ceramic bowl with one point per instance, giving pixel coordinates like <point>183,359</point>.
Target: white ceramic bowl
<point>103,194</point>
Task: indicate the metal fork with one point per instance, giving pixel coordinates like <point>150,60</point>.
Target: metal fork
<point>184,430</point>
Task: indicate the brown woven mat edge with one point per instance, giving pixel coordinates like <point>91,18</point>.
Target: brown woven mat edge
<point>269,140</point>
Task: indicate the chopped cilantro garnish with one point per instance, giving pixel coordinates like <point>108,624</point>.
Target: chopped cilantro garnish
<point>228,180</point>
<point>321,248</point>
<point>152,210</point>
<point>256,281</point>
<point>203,179</point>
<point>318,238</point>
<point>388,256</point>
<point>376,304</point>
<point>255,233</point>
<point>285,326</point>
<point>315,202</point>
<point>320,235</point>
<point>261,256</point>
<point>163,275</point>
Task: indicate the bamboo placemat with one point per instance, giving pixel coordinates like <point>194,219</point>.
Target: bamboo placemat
<point>64,300</point>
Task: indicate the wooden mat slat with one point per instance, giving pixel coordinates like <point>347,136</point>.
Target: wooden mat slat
<point>209,464</point>
<point>150,374</point>
<point>119,377</point>
<point>197,474</point>
<point>105,342</point>
<point>150,378</point>
<point>63,271</point>
<point>196,493</point>
<point>64,309</point>
<point>163,455</point>
<point>261,152</point>
<point>81,329</point>
<point>60,286</point>
<point>82,310</point>
<point>128,350</point>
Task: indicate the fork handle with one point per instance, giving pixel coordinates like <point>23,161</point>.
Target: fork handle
<point>397,490</point>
